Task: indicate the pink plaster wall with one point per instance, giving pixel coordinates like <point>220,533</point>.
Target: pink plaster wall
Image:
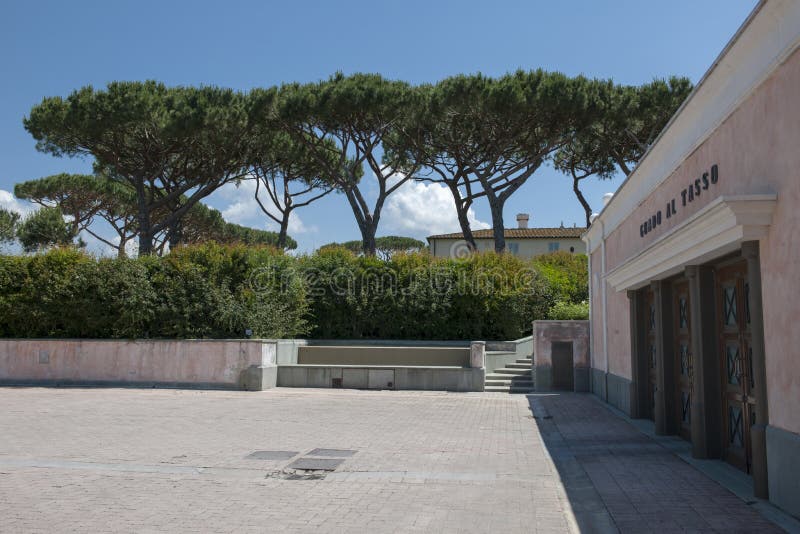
<point>546,332</point>
<point>189,361</point>
<point>757,150</point>
<point>619,337</point>
<point>598,355</point>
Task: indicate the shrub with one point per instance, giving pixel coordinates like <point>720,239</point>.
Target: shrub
<point>219,291</point>
<point>203,291</point>
<point>567,274</point>
<point>564,311</point>
<point>416,296</point>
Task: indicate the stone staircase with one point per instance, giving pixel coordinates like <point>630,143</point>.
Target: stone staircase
<point>513,378</point>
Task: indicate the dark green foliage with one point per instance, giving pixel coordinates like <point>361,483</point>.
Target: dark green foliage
<point>172,145</point>
<point>567,274</point>
<point>621,124</point>
<point>45,228</point>
<point>416,296</point>
<point>349,123</point>
<point>203,224</point>
<point>385,246</point>
<point>196,292</point>
<point>569,311</point>
<point>8,225</point>
<point>215,291</point>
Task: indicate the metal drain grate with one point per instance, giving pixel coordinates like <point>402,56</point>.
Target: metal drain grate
<point>315,464</point>
<point>333,453</point>
<point>272,455</point>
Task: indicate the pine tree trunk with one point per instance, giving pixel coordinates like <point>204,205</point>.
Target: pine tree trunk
<point>145,232</point>
<point>586,208</point>
<point>284,230</point>
<point>462,212</point>
<point>368,239</point>
<point>498,229</point>
<point>175,233</point>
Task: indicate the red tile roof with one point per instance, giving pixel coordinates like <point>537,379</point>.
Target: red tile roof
<point>542,233</point>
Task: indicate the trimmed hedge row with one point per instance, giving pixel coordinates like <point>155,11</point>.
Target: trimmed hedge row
<point>213,291</point>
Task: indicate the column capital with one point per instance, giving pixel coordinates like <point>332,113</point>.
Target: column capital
<point>691,271</point>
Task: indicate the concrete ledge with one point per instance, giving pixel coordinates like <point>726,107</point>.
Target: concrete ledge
<point>259,377</point>
<point>402,377</point>
<point>55,383</point>
<point>783,451</point>
<point>383,355</point>
<point>205,364</point>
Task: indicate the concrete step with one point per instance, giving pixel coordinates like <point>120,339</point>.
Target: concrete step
<point>509,371</point>
<point>501,382</point>
<point>509,376</point>
<point>506,389</point>
<point>527,361</point>
<point>518,365</point>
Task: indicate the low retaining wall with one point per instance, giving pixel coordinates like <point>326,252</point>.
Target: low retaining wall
<point>408,356</point>
<point>218,364</point>
<point>382,377</point>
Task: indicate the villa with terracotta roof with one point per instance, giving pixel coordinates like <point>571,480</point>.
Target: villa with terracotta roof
<point>521,241</point>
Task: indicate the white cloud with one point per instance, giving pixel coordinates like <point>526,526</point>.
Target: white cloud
<point>297,226</point>
<point>239,206</point>
<point>423,209</point>
<point>12,203</point>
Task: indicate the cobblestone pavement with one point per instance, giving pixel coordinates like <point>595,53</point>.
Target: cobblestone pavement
<point>172,460</point>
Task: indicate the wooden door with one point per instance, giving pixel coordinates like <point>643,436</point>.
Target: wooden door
<point>738,400</point>
<point>683,359</point>
<point>563,366</point>
<point>649,323</point>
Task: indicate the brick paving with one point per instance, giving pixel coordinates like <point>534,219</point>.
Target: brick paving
<point>624,480</point>
<point>180,461</point>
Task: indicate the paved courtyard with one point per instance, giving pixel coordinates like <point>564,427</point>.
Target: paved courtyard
<point>170,460</point>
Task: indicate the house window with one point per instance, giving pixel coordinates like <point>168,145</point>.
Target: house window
<point>513,248</point>
<point>552,246</point>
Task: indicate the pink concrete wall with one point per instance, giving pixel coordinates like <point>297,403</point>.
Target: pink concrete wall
<point>619,336</point>
<point>546,332</point>
<point>757,150</point>
<point>189,361</point>
<point>598,354</point>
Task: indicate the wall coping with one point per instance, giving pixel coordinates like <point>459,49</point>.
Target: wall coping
<point>138,340</point>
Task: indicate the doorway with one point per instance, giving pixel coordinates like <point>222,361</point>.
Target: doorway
<point>735,353</point>
<point>563,365</point>
<point>683,364</point>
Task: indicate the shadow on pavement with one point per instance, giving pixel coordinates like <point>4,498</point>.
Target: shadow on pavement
<point>620,480</point>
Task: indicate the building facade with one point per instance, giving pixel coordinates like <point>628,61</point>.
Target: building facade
<point>695,266</point>
<point>521,241</point>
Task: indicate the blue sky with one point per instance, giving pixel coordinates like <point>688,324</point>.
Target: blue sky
<point>51,48</point>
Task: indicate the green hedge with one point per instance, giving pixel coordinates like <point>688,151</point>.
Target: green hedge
<point>213,291</point>
<point>198,292</point>
<point>562,311</point>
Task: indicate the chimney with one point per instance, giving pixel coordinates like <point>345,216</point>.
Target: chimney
<point>522,220</point>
